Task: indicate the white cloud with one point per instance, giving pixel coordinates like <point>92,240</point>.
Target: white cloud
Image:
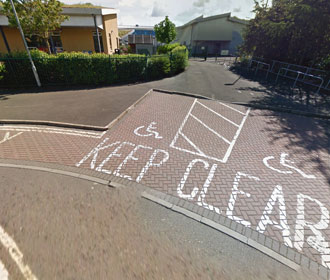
<point>150,12</point>
<point>200,3</point>
<point>127,3</point>
<point>158,11</point>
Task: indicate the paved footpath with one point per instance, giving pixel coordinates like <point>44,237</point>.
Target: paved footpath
<point>264,170</point>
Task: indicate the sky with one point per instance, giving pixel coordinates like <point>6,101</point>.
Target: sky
<point>150,12</point>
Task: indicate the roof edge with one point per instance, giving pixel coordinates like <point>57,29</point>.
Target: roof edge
<point>202,19</point>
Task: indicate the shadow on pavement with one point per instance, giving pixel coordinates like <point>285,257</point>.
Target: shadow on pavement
<point>302,134</point>
<point>233,83</point>
<point>282,95</point>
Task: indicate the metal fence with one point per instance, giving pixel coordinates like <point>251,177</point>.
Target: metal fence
<point>319,79</point>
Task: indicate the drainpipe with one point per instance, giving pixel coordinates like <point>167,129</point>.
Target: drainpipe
<point>97,33</point>
<point>4,39</point>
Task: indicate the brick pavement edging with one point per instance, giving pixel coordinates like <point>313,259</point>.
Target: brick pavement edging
<point>55,124</point>
<point>253,238</point>
<point>248,236</point>
<point>254,106</point>
<point>111,124</point>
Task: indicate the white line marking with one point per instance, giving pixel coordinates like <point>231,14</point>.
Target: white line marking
<point>197,154</point>
<point>183,123</point>
<point>216,133</point>
<point>3,272</point>
<point>192,144</point>
<point>231,144</point>
<point>234,109</point>
<point>16,254</point>
<point>7,137</point>
<point>51,128</point>
<point>221,116</point>
<point>56,131</point>
<point>236,136</point>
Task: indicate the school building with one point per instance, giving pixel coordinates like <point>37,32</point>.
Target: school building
<point>86,30</point>
<point>142,39</point>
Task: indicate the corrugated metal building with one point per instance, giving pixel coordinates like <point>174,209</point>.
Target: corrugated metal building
<point>212,35</point>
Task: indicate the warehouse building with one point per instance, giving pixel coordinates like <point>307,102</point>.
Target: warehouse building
<point>215,35</point>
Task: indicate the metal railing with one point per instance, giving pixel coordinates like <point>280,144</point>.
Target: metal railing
<point>259,63</point>
<point>297,77</point>
<point>309,75</point>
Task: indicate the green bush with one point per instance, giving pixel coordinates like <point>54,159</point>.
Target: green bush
<point>325,64</point>
<point>78,68</point>
<point>165,49</point>
<point>2,70</point>
<point>179,58</point>
<point>158,67</point>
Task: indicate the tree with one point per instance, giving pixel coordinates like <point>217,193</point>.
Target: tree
<point>37,17</point>
<point>165,31</point>
<point>296,31</point>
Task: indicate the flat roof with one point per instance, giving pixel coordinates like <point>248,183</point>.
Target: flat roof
<point>67,10</point>
<point>139,27</point>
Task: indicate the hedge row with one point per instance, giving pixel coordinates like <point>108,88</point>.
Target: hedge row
<point>86,69</point>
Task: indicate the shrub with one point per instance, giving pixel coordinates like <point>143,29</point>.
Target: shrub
<point>158,67</point>
<point>179,59</point>
<point>78,68</point>
<point>325,64</point>
<point>165,49</point>
<point>2,70</point>
<point>128,68</point>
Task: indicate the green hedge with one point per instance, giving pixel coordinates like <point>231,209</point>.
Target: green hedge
<point>179,59</point>
<point>85,69</point>
<point>165,49</point>
<point>158,67</point>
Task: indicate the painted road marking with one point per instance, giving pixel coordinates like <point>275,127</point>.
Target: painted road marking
<point>16,254</point>
<point>221,116</point>
<point>7,137</point>
<point>232,108</point>
<point>3,272</point>
<point>198,151</point>
<point>81,133</point>
<point>278,203</point>
<point>210,129</point>
<point>286,163</point>
<point>150,129</point>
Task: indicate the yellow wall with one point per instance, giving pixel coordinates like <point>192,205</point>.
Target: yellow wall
<point>110,29</point>
<point>73,38</point>
<point>77,39</point>
<point>14,39</point>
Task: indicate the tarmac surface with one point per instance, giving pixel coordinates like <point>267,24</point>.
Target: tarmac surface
<point>99,106</point>
<point>59,227</point>
<point>264,170</point>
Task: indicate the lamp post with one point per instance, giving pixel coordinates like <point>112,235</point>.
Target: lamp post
<point>34,70</point>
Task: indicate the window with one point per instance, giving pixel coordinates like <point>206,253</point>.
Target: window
<point>96,44</point>
<point>110,41</point>
<point>55,42</point>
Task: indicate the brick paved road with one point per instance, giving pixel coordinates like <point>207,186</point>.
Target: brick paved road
<point>266,170</point>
